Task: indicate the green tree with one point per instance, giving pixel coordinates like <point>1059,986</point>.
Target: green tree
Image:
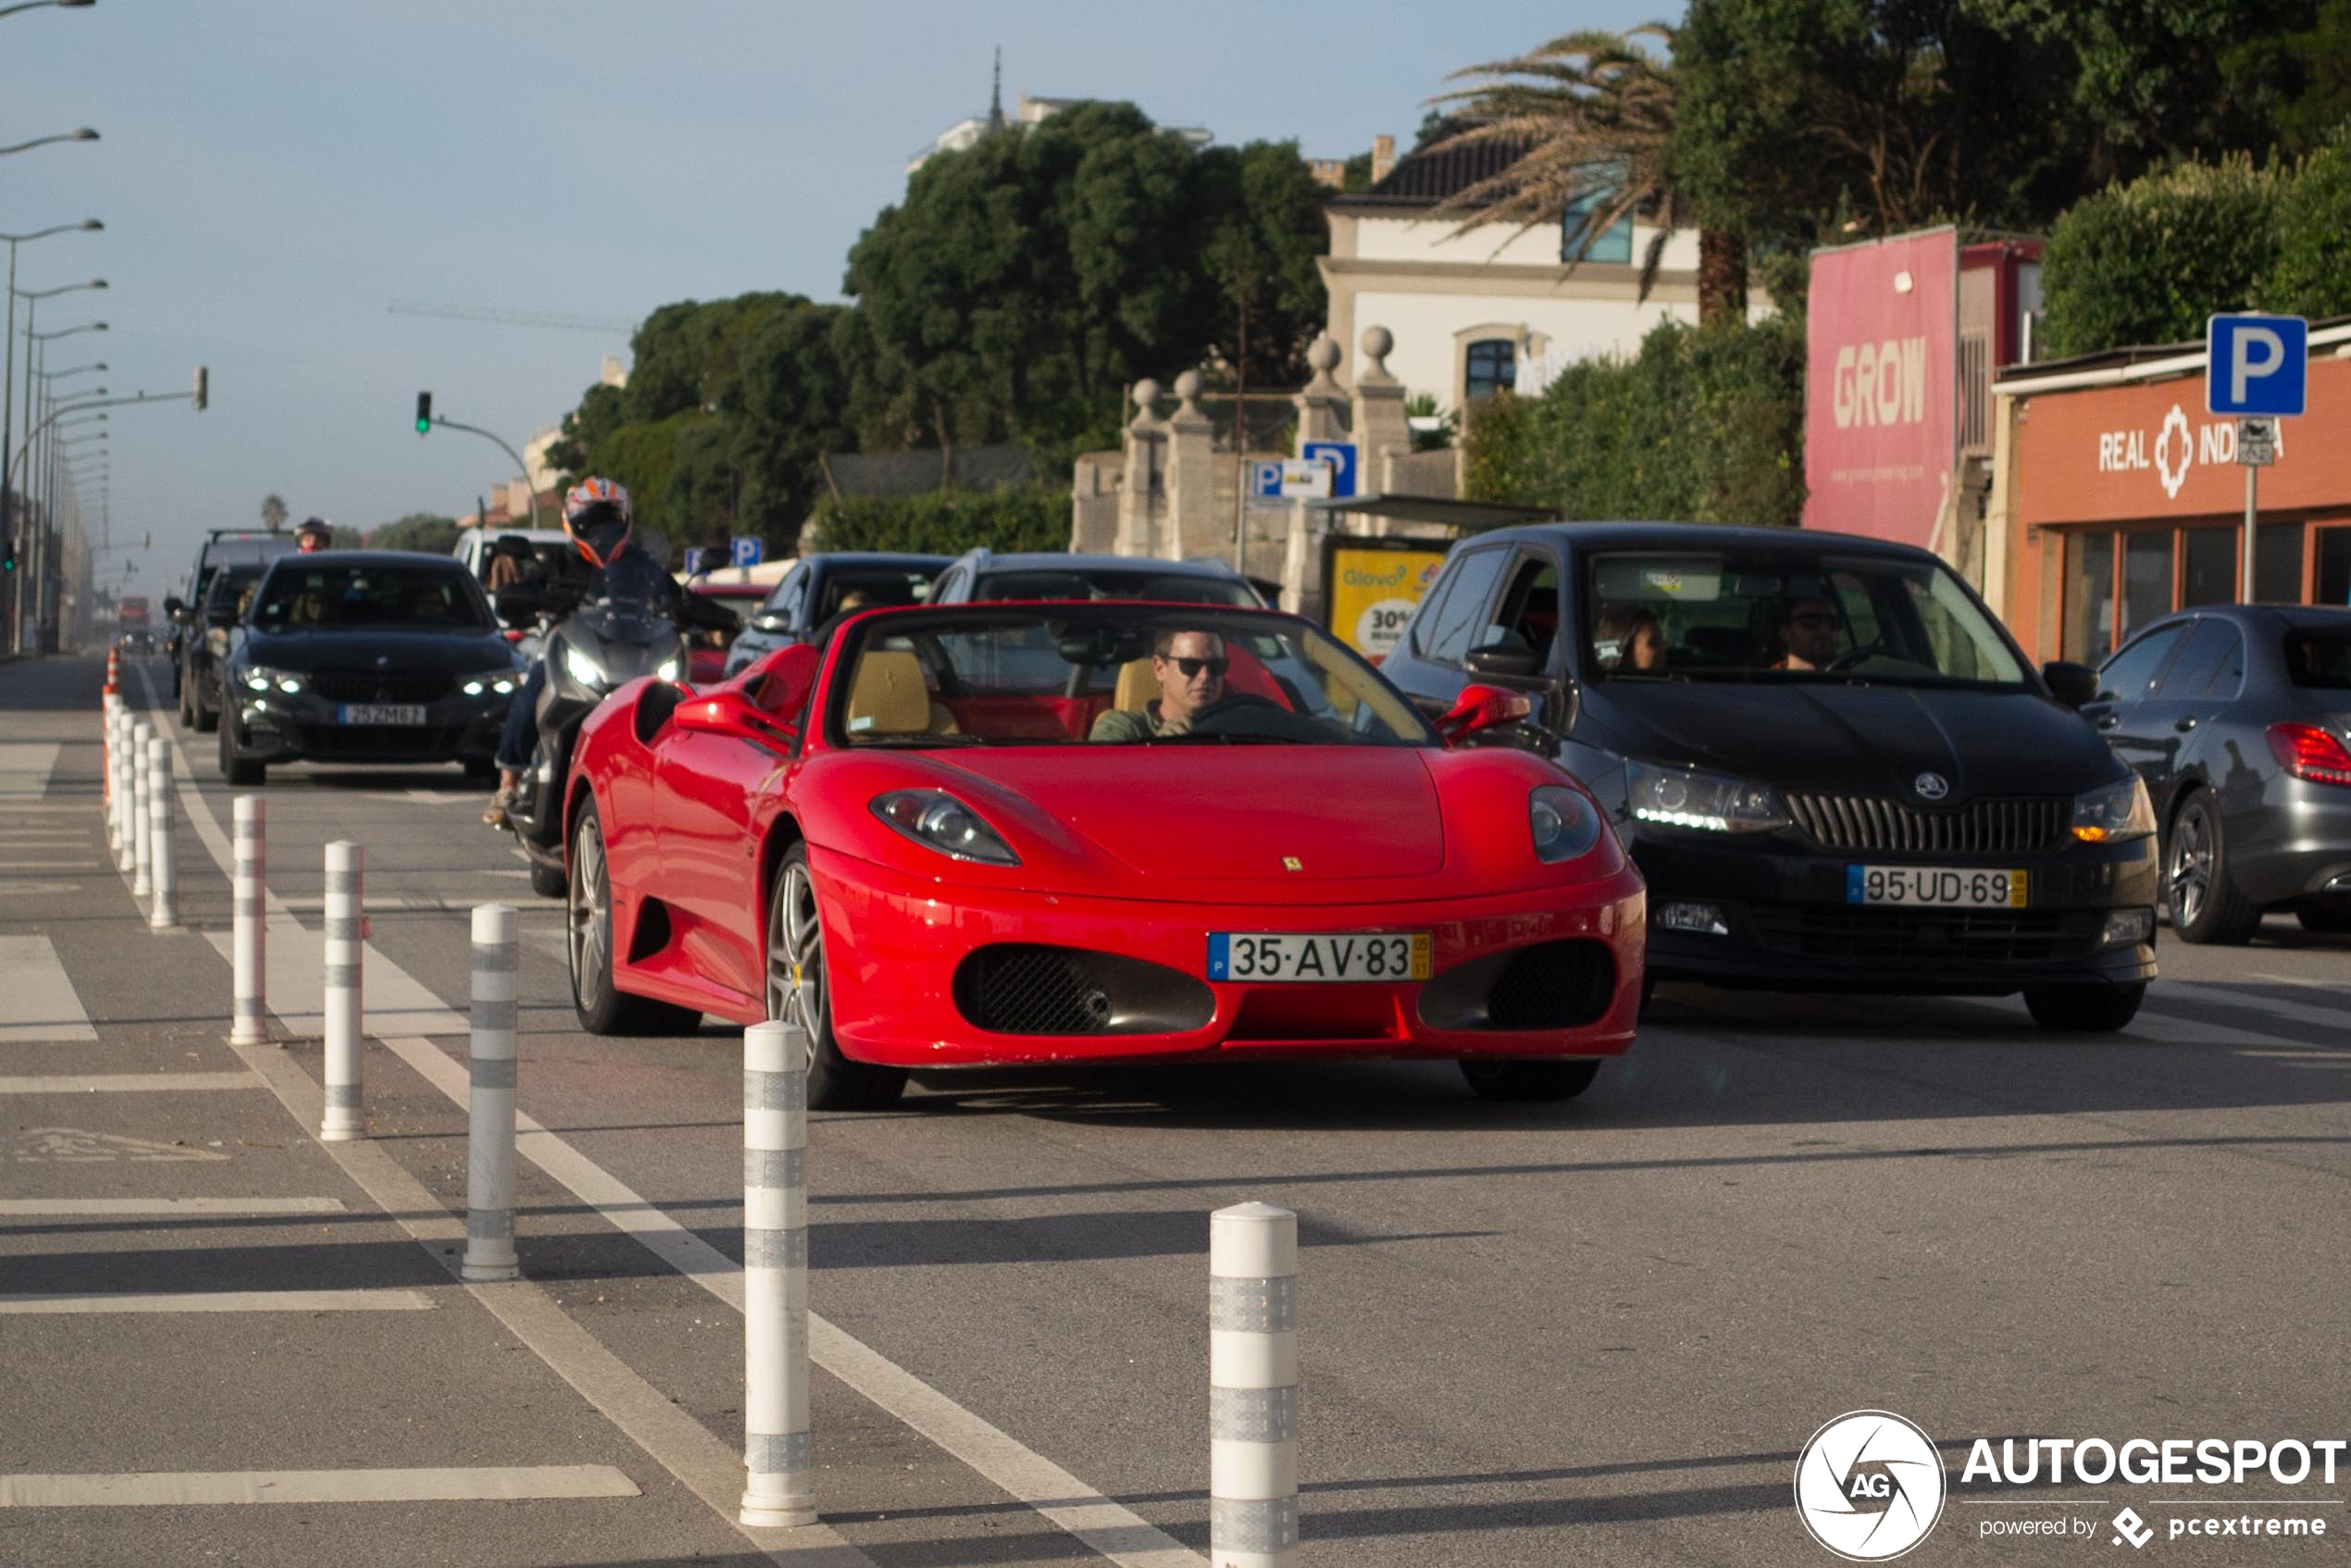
<point>2310,274</point>
<point>2147,262</point>
<point>948,522</point>
<point>419,531</point>
<point>1262,231</point>
<point>2293,81</point>
<point>273,511</point>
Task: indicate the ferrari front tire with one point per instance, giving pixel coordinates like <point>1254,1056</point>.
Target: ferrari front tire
<point>800,993</point>
<point>603,1009</point>
<point>1529,1080</point>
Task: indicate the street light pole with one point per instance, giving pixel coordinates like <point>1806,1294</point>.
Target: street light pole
<point>522,467</point>
<point>84,134</point>
<point>8,365</point>
<point>36,4</point>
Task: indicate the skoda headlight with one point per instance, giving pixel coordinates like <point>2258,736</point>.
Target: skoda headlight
<point>2113,813</point>
<point>1564,822</point>
<point>937,820</point>
<point>1681,797</point>
<point>666,669</point>
<point>583,670</point>
<point>259,678</point>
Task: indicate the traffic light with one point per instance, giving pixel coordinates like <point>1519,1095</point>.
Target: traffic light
<point>7,554</point>
<point>204,388</point>
<point>424,413</point>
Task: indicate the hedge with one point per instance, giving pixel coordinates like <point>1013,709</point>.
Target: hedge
<point>2147,262</point>
<point>946,522</point>
<point>1704,425</point>
<point>2312,273</point>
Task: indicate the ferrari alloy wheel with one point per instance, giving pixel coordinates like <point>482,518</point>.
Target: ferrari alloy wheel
<point>1529,1080</point>
<point>603,1008</point>
<point>799,994</point>
<point>2205,905</point>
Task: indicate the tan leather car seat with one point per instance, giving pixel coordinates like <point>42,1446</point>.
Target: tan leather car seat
<point>1138,687</point>
<point>890,698</point>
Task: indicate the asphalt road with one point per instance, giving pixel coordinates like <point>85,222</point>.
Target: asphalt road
<point>1596,1332</point>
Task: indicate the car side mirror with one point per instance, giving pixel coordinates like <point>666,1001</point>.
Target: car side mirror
<point>175,607</point>
<point>2070,683</point>
<point>1481,708</point>
<point>725,712</point>
<point>1511,661</point>
<point>770,622</point>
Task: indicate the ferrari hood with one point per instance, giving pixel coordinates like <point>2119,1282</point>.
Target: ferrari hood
<point>1216,813</point>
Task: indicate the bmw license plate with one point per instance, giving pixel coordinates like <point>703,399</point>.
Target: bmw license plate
<point>1936,886</point>
<point>382,713</point>
<point>1321,956</point>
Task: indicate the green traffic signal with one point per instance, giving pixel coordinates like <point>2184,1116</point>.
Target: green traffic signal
<point>7,555</point>
<point>424,413</point>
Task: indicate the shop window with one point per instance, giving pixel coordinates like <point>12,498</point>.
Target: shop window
<point>2334,568</point>
<point>2277,563</point>
<point>2147,579</point>
<point>2211,574</point>
<point>1612,243</point>
<point>1491,367</point>
<point>2089,596</point>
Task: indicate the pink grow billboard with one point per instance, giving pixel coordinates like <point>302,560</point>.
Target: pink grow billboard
<point>1881,394</point>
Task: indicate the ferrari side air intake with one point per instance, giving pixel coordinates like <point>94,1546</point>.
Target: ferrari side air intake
<point>1028,989</point>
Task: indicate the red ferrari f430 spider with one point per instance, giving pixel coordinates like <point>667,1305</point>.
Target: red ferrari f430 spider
<point>986,835</point>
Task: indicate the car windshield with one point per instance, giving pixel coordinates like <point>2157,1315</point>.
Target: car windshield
<point>1177,588</point>
<point>299,598</point>
<point>1133,673</point>
<point>1787,614</point>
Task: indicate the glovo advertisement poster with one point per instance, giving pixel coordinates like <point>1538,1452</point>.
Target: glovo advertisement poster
<point>1371,587</point>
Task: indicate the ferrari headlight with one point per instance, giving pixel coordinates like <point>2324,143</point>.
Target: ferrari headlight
<point>1679,797</point>
<point>666,669</point>
<point>937,820</point>
<point>2113,813</point>
<point>1564,822</point>
<point>584,669</point>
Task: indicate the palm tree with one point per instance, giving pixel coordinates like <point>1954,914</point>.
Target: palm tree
<point>1593,111</point>
<point>273,512</point>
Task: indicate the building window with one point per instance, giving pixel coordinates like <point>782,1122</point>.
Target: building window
<point>1612,243</point>
<point>1491,365</point>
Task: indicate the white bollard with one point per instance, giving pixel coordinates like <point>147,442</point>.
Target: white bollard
<point>490,1140</point>
<point>1252,1394</point>
<point>163,876</point>
<point>125,850</point>
<point>249,943</point>
<point>142,844</point>
<point>345,868</point>
<point>776,1437</point>
<point>107,711</point>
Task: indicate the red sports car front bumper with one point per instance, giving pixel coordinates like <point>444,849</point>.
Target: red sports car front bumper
<point>918,975</point>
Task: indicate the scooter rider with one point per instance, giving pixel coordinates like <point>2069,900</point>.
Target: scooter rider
<point>596,516</point>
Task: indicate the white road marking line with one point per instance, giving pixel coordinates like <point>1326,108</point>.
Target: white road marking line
<point>87,863</point>
<point>2212,994</point>
<point>166,1208</point>
<point>38,1002</point>
<point>1110,1528</point>
<point>218,1301</point>
<point>297,979</point>
<point>25,768</point>
<point>127,1083</point>
<point>168,1490</point>
<point>72,1146</point>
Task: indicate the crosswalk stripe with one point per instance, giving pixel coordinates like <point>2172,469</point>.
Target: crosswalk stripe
<point>162,1208</point>
<point>25,768</point>
<point>166,1490</point>
<point>125,1083</point>
<point>38,1002</point>
<point>42,1303</point>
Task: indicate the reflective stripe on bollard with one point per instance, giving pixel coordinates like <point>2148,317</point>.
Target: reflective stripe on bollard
<point>489,1137</point>
<point>342,1122</point>
<point>142,845</point>
<point>163,876</point>
<point>775,1438</point>
<point>126,850</point>
<point>1252,1394</point>
<point>249,949</point>
<point>107,711</point>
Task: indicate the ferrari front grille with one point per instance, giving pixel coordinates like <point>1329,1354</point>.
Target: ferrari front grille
<point>1997,825</point>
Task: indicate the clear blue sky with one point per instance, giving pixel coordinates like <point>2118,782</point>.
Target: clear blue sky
<point>274,173</point>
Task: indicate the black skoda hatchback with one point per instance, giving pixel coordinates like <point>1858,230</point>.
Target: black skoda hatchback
<point>1834,766</point>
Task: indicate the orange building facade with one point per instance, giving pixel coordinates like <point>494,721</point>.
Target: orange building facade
<point>2116,498</point>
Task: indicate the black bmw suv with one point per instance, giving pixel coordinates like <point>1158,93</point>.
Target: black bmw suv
<point>1834,766</point>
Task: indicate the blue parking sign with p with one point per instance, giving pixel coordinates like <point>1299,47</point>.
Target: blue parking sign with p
<point>1340,456</point>
<point>1265,480</point>
<point>750,549</point>
<point>2257,365</point>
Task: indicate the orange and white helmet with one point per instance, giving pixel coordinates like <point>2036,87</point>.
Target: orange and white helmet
<point>596,516</point>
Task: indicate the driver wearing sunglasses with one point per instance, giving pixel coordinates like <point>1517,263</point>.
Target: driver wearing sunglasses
<point>1810,634</point>
<point>1190,667</point>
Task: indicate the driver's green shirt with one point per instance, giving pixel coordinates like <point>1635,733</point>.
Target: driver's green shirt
<point>1118,724</point>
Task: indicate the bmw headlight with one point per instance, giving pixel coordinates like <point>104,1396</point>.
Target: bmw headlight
<point>1682,797</point>
<point>1565,824</point>
<point>937,820</point>
<point>259,678</point>
<point>2113,813</point>
<point>490,683</point>
<point>666,669</point>
<point>583,670</point>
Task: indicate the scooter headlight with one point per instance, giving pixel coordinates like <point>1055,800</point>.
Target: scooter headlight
<point>584,669</point>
